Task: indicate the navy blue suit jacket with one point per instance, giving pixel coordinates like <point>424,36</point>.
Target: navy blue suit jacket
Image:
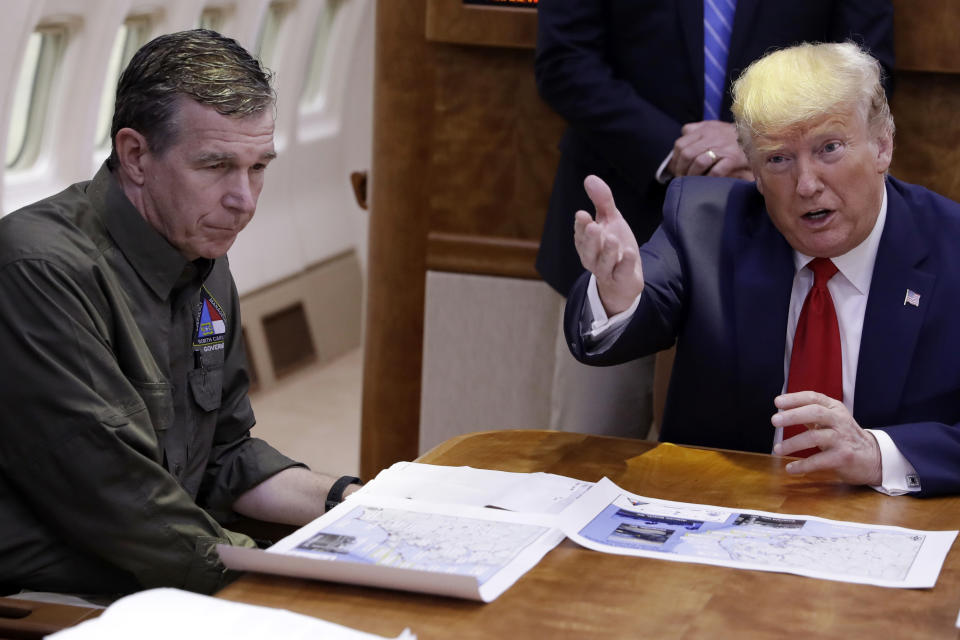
<point>718,278</point>
<point>626,75</point>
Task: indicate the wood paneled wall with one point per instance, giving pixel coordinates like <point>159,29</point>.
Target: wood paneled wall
<point>464,154</point>
<point>463,162</point>
<point>926,98</point>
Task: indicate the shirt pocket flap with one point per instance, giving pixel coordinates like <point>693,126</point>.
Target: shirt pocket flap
<point>207,387</point>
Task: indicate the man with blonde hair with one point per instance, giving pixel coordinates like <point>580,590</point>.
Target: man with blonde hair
<point>824,294</point>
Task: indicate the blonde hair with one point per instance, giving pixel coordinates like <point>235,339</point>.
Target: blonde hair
<point>791,87</point>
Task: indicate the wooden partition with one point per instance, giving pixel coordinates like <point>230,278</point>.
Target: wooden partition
<point>926,99</point>
<point>463,161</point>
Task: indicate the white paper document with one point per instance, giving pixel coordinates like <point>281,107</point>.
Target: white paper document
<point>162,614</point>
<point>521,492</point>
<point>431,529</point>
<point>383,541</point>
<point>612,520</point>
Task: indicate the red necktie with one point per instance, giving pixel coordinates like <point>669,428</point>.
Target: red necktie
<point>815,363</point>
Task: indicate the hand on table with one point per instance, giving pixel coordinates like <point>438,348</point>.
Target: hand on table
<point>846,448</point>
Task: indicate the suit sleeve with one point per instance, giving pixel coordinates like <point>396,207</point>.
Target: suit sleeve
<point>79,444</point>
<point>933,449</point>
<point>575,78</point>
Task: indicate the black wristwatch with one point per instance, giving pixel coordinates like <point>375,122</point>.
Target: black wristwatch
<point>335,495</point>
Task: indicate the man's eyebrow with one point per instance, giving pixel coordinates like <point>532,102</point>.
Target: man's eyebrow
<point>218,156</point>
<point>769,147</point>
<point>213,156</point>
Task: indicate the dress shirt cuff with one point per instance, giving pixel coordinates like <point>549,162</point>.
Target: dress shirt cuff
<point>602,331</point>
<point>663,175</point>
<point>899,476</point>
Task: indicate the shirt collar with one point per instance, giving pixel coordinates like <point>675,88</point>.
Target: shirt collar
<point>856,265</point>
<point>161,266</point>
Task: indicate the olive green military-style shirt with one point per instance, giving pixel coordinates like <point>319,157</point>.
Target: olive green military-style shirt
<point>124,417</point>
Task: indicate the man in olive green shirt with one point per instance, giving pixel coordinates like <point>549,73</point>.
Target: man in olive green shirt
<point>125,419</point>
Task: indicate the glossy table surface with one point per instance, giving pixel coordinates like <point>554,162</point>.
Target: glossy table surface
<point>577,593</point>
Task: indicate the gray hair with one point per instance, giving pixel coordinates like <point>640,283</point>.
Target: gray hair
<point>199,64</point>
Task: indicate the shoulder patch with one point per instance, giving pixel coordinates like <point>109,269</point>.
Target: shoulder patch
<point>210,322</point>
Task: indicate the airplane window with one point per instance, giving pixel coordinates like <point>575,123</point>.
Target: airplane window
<point>40,62</point>
<point>133,34</point>
<point>212,18</point>
<point>270,31</point>
<point>313,92</point>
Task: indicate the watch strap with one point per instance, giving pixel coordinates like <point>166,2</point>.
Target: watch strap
<point>335,495</point>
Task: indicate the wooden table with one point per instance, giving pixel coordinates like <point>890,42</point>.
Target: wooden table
<point>577,593</point>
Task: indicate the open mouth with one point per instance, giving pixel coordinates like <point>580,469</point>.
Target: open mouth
<point>817,214</point>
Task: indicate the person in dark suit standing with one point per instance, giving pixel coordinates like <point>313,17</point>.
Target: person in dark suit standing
<point>646,98</point>
<point>826,293</point>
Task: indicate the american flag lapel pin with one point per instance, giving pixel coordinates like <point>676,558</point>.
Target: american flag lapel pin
<point>912,298</point>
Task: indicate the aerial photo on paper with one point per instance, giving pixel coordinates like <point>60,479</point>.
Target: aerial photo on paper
<point>731,537</point>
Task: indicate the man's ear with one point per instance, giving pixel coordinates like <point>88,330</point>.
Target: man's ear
<point>884,151</point>
<point>131,149</point>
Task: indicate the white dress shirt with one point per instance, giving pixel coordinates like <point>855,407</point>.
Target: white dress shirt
<point>849,289</point>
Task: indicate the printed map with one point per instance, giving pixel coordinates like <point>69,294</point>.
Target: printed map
<point>425,541</point>
<point>753,539</point>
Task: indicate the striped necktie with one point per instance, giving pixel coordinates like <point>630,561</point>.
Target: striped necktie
<point>717,27</point>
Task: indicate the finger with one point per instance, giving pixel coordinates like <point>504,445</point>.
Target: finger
<point>626,267</point>
<point>721,134</point>
<point>734,152</point>
<point>673,166</point>
<point>703,162</point>
<point>609,256</point>
<point>601,197</point>
<point>800,398</point>
<point>808,414</point>
<point>681,166</point>
<point>809,439</point>
<point>691,127</point>
<point>589,244</point>
<point>580,221</point>
<point>826,459</point>
<point>854,464</point>
<point>723,168</point>
<point>685,150</point>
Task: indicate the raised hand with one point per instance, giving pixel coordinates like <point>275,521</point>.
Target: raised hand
<point>608,249</point>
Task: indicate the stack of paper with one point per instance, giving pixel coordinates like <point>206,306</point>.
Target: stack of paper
<point>162,614</point>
